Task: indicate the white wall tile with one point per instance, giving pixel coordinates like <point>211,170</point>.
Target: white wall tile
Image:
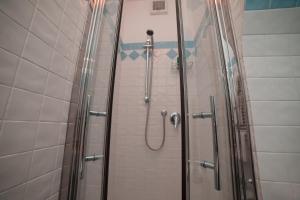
<point>8,67</point>
<point>14,170</point>
<point>277,138</point>
<point>51,10</point>
<point>16,193</point>
<point>37,51</point>
<point>48,134</point>
<point>24,106</point>
<point>280,167</point>
<point>5,92</point>
<point>60,65</point>
<point>272,21</point>
<point>61,3</point>
<point>52,110</point>
<point>277,113</point>
<point>31,77</point>
<point>39,188</point>
<point>271,45</point>
<point>21,11</point>
<point>68,27</point>
<point>64,46</point>
<point>279,66</point>
<point>44,29</point>
<point>56,86</point>
<point>17,137</point>
<point>272,65</point>
<point>53,197</point>
<point>43,161</point>
<point>22,23</point>
<point>282,89</point>
<point>277,191</point>
<point>12,35</point>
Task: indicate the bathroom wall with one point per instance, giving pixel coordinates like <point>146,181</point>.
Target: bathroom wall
<point>272,62</point>
<point>135,171</point>
<point>139,19</point>
<point>39,43</point>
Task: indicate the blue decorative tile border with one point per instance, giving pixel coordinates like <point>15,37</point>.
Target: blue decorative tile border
<point>135,50</point>
<point>157,45</point>
<point>132,52</point>
<point>270,4</point>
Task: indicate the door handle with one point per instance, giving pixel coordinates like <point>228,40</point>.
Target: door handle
<point>83,135</point>
<point>206,164</point>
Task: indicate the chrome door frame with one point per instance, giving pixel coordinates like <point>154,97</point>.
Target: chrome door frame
<point>243,175</point>
<point>105,169</point>
<point>185,154</point>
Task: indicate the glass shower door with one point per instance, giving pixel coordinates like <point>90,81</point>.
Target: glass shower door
<point>210,172</point>
<point>84,157</point>
<point>97,95</point>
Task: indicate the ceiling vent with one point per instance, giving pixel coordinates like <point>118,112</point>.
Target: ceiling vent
<point>159,7</point>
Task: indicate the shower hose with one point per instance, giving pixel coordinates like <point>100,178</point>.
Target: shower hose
<point>146,129</point>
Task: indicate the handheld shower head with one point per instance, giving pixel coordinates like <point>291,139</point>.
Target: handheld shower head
<point>150,32</point>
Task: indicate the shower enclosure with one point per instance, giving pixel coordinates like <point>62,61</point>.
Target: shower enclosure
<point>120,147</point>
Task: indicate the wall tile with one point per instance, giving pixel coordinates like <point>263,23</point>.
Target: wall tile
<point>43,161</point>
<point>272,45</point>
<point>61,3</point>
<point>31,77</point>
<point>56,86</point>
<point>279,167</point>
<point>68,27</point>
<point>277,138</point>
<point>21,110</point>
<point>279,21</point>
<point>44,29</point>
<point>60,65</point>
<point>37,51</point>
<point>48,135</point>
<point>16,193</point>
<point>283,4</point>
<point>277,190</point>
<point>282,89</point>
<point>277,113</point>
<point>14,170</point>
<point>21,11</point>
<point>17,137</point>
<point>52,110</point>
<point>8,67</point>
<point>12,35</point>
<point>5,92</point>
<point>56,181</point>
<point>279,66</point>
<point>24,106</point>
<point>39,188</point>
<point>257,4</point>
<point>53,197</point>
<point>64,46</point>
<point>51,10</point>
<point>272,60</point>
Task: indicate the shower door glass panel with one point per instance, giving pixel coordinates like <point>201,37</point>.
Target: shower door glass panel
<point>205,79</point>
<point>100,66</point>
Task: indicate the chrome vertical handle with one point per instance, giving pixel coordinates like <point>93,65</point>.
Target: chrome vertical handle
<point>206,164</point>
<point>215,143</point>
<point>83,135</point>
